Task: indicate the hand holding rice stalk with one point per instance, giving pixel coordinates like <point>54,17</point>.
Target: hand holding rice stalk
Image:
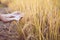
<point>14,16</point>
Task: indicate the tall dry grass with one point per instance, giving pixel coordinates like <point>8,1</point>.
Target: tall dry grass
<point>41,19</point>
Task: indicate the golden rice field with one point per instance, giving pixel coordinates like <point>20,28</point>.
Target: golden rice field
<point>41,19</point>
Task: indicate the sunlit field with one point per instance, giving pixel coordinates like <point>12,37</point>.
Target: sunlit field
<point>41,19</point>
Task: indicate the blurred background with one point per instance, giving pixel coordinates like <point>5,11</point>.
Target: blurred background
<point>41,19</point>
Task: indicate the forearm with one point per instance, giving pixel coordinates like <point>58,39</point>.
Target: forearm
<point>0,16</point>
<point>6,15</point>
<point>7,19</point>
<point>10,17</point>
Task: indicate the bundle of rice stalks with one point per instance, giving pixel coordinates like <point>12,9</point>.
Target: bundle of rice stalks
<point>41,19</point>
